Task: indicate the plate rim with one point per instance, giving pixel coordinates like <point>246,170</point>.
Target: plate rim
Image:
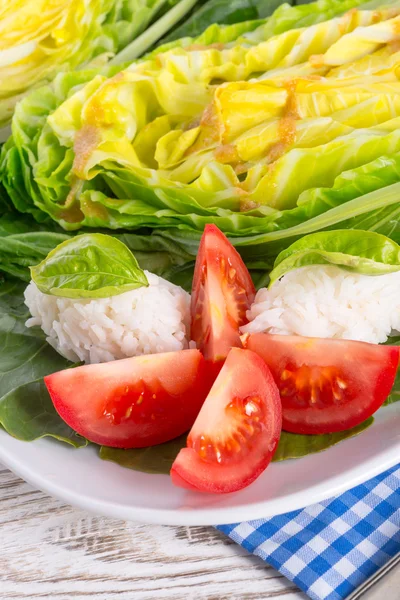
<point>204,516</point>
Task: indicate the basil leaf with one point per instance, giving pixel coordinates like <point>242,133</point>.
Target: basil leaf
<point>359,251</point>
<point>154,459</point>
<point>24,242</point>
<point>394,395</point>
<point>27,413</point>
<point>25,355</point>
<point>89,266</point>
<point>393,340</point>
<point>18,251</point>
<point>295,445</point>
<point>159,459</point>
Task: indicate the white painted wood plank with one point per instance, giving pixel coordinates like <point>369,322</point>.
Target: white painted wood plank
<point>388,587</point>
<point>51,550</point>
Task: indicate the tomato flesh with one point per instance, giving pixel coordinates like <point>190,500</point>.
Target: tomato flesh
<point>326,385</point>
<point>237,430</point>
<point>134,402</point>
<point>222,293</point>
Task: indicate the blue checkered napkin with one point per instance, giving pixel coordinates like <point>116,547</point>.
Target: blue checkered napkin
<point>331,548</point>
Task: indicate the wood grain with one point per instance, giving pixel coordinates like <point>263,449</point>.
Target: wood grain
<point>51,550</point>
<point>388,587</point>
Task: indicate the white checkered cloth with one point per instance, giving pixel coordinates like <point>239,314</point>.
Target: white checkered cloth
<point>331,548</point>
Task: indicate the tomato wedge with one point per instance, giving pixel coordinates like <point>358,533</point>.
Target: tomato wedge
<point>134,402</point>
<point>326,385</point>
<point>222,293</point>
<point>237,430</point>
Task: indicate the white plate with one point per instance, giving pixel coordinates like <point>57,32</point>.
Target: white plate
<point>80,478</point>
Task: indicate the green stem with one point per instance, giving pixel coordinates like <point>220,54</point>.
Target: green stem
<point>154,33</point>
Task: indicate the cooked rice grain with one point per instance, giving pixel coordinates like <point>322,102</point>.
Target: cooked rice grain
<point>329,302</point>
<point>144,321</point>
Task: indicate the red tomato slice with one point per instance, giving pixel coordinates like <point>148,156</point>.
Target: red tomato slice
<point>326,385</point>
<point>222,293</point>
<point>134,402</point>
<point>237,430</point>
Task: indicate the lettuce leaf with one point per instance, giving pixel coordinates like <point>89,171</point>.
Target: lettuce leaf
<point>222,12</point>
<point>284,18</point>
<point>20,153</point>
<point>77,165</point>
<point>351,186</point>
<point>40,39</point>
<point>378,211</point>
<point>149,37</point>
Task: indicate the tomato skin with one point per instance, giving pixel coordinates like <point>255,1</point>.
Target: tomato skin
<point>222,292</point>
<point>191,473</point>
<point>326,385</point>
<point>236,432</point>
<point>133,402</point>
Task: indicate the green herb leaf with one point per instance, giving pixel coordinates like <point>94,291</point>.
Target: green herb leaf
<point>159,459</point>
<point>19,251</point>
<point>23,242</point>
<point>294,445</point>
<point>394,395</point>
<point>154,459</point>
<point>359,251</point>
<point>89,266</point>
<point>25,355</point>
<point>27,413</point>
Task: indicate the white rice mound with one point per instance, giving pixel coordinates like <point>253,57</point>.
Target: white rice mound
<point>328,302</point>
<point>147,320</point>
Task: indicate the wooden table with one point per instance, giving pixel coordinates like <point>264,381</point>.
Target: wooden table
<point>49,550</point>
